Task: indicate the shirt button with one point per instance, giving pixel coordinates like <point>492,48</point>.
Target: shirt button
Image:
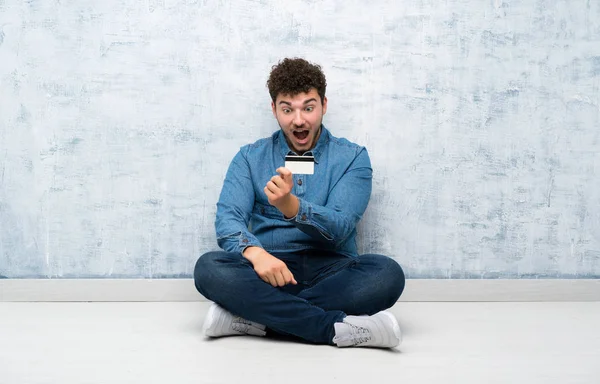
<point>299,181</point>
<point>262,210</point>
<point>303,217</point>
<point>245,241</point>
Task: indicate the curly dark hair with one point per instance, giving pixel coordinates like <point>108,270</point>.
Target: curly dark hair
<point>294,76</point>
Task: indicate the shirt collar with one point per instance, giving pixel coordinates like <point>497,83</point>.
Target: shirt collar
<point>316,151</point>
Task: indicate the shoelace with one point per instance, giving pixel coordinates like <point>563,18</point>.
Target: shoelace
<point>240,325</point>
<point>359,335</point>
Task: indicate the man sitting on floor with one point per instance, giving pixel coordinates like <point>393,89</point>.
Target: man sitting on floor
<point>298,272</point>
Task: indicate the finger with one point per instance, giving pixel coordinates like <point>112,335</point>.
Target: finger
<point>280,278</point>
<point>265,279</point>
<point>272,187</point>
<point>272,280</point>
<point>278,181</point>
<point>289,278</point>
<point>268,193</point>
<point>284,172</point>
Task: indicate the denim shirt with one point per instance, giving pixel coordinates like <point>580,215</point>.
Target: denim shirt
<point>332,200</point>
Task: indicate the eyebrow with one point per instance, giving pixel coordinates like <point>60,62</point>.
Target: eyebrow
<point>305,101</point>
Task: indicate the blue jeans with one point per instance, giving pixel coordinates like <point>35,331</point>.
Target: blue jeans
<point>330,286</point>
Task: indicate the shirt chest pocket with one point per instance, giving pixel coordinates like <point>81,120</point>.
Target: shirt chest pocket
<point>268,211</point>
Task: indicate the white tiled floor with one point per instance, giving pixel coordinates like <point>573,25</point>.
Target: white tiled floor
<point>162,343</point>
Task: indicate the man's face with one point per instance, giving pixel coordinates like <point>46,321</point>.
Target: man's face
<point>300,118</point>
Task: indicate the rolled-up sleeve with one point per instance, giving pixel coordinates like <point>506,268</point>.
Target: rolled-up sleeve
<point>345,206</point>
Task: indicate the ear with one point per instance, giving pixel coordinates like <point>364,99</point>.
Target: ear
<point>324,105</point>
<point>273,108</point>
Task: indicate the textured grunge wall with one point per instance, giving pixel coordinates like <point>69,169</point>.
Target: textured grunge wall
<point>118,119</point>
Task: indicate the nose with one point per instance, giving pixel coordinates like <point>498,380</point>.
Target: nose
<point>298,119</point>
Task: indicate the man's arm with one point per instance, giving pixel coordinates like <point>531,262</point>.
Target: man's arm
<point>345,205</point>
<point>234,208</point>
<point>233,214</point>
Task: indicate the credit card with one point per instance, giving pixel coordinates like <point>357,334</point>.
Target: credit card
<point>300,165</point>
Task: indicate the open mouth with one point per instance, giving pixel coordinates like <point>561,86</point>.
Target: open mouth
<point>301,135</point>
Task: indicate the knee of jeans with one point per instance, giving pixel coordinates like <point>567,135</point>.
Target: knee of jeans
<point>400,279</point>
<point>396,280</point>
<point>204,271</point>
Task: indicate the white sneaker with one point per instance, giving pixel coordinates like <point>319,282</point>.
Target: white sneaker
<point>380,330</point>
<point>220,322</point>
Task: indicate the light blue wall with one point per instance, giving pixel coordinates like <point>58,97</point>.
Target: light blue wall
<point>118,119</point>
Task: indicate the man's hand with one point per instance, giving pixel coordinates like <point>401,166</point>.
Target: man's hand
<point>279,192</point>
<point>269,268</point>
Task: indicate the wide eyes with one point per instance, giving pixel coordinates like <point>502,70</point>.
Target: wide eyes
<point>307,109</point>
